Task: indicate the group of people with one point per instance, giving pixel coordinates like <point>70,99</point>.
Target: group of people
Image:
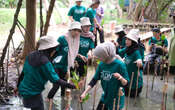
<point>121,61</point>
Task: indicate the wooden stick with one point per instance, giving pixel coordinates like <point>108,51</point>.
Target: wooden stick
<point>147,80</point>
<point>50,104</point>
<point>103,107</point>
<point>132,77</point>
<point>154,77</point>
<point>114,104</point>
<point>137,85</point>
<point>120,93</point>
<point>95,90</point>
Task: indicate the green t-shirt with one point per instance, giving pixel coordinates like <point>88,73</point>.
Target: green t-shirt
<point>77,12</point>
<point>162,42</point>
<point>111,85</point>
<point>86,44</point>
<point>35,78</point>
<point>61,61</point>
<point>132,67</point>
<point>91,14</point>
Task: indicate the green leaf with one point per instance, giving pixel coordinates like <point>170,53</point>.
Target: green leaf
<point>86,98</point>
<point>75,83</point>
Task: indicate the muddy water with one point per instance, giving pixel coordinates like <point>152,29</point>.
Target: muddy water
<point>152,102</point>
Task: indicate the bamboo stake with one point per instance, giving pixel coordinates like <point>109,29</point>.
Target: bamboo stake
<point>147,80</point>
<point>103,107</point>
<point>114,104</point>
<point>50,104</point>
<point>137,85</point>
<point>154,77</point>
<point>120,93</point>
<point>132,76</point>
<point>163,96</point>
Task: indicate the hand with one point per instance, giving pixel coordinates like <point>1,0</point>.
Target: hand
<point>82,96</point>
<point>48,100</point>
<point>115,43</point>
<point>117,76</point>
<point>139,63</point>
<point>15,91</point>
<point>94,31</point>
<point>100,28</point>
<point>83,58</point>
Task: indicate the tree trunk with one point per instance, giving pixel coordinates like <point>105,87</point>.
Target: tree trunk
<point>41,18</point>
<point>131,8</point>
<point>49,13</point>
<point>12,30</point>
<point>30,27</point>
<point>120,12</point>
<point>138,11</point>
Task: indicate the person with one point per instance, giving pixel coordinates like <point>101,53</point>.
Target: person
<point>67,51</point>
<point>36,72</point>
<point>172,50</point>
<point>77,11</point>
<point>112,73</point>
<point>158,40</point>
<point>133,61</point>
<point>120,33</point>
<point>91,14</point>
<point>99,17</point>
<point>86,45</point>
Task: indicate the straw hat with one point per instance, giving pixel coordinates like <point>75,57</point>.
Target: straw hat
<point>133,35</point>
<point>47,42</point>
<point>118,29</point>
<point>85,21</point>
<point>75,25</point>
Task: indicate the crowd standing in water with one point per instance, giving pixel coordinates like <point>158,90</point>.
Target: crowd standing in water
<point>121,60</point>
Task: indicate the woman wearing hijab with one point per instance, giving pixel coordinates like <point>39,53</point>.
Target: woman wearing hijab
<point>86,45</point>
<point>36,72</point>
<point>133,61</point>
<point>67,51</point>
<point>112,73</point>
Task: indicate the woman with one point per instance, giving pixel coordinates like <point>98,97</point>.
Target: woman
<point>77,11</point>
<point>86,45</point>
<point>119,31</point>
<point>36,72</point>
<point>112,73</point>
<point>67,51</point>
<point>133,61</point>
<point>91,14</point>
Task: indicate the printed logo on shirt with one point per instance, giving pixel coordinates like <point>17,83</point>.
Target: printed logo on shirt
<point>106,75</point>
<point>127,60</point>
<point>84,44</point>
<point>66,49</point>
<point>79,11</point>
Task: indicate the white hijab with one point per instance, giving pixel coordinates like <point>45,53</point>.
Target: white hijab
<point>106,51</point>
<point>73,44</point>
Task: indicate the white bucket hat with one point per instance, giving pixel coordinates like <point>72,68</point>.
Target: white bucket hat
<point>78,0</point>
<point>47,42</point>
<point>94,2</point>
<point>133,35</point>
<point>85,21</point>
<point>75,25</point>
<point>118,29</point>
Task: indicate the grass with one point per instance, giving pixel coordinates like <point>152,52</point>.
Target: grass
<point>7,16</point>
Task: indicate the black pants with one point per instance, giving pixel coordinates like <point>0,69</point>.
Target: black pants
<point>81,70</point>
<point>101,105</point>
<point>133,92</point>
<point>34,102</point>
<point>101,34</point>
<point>55,87</point>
